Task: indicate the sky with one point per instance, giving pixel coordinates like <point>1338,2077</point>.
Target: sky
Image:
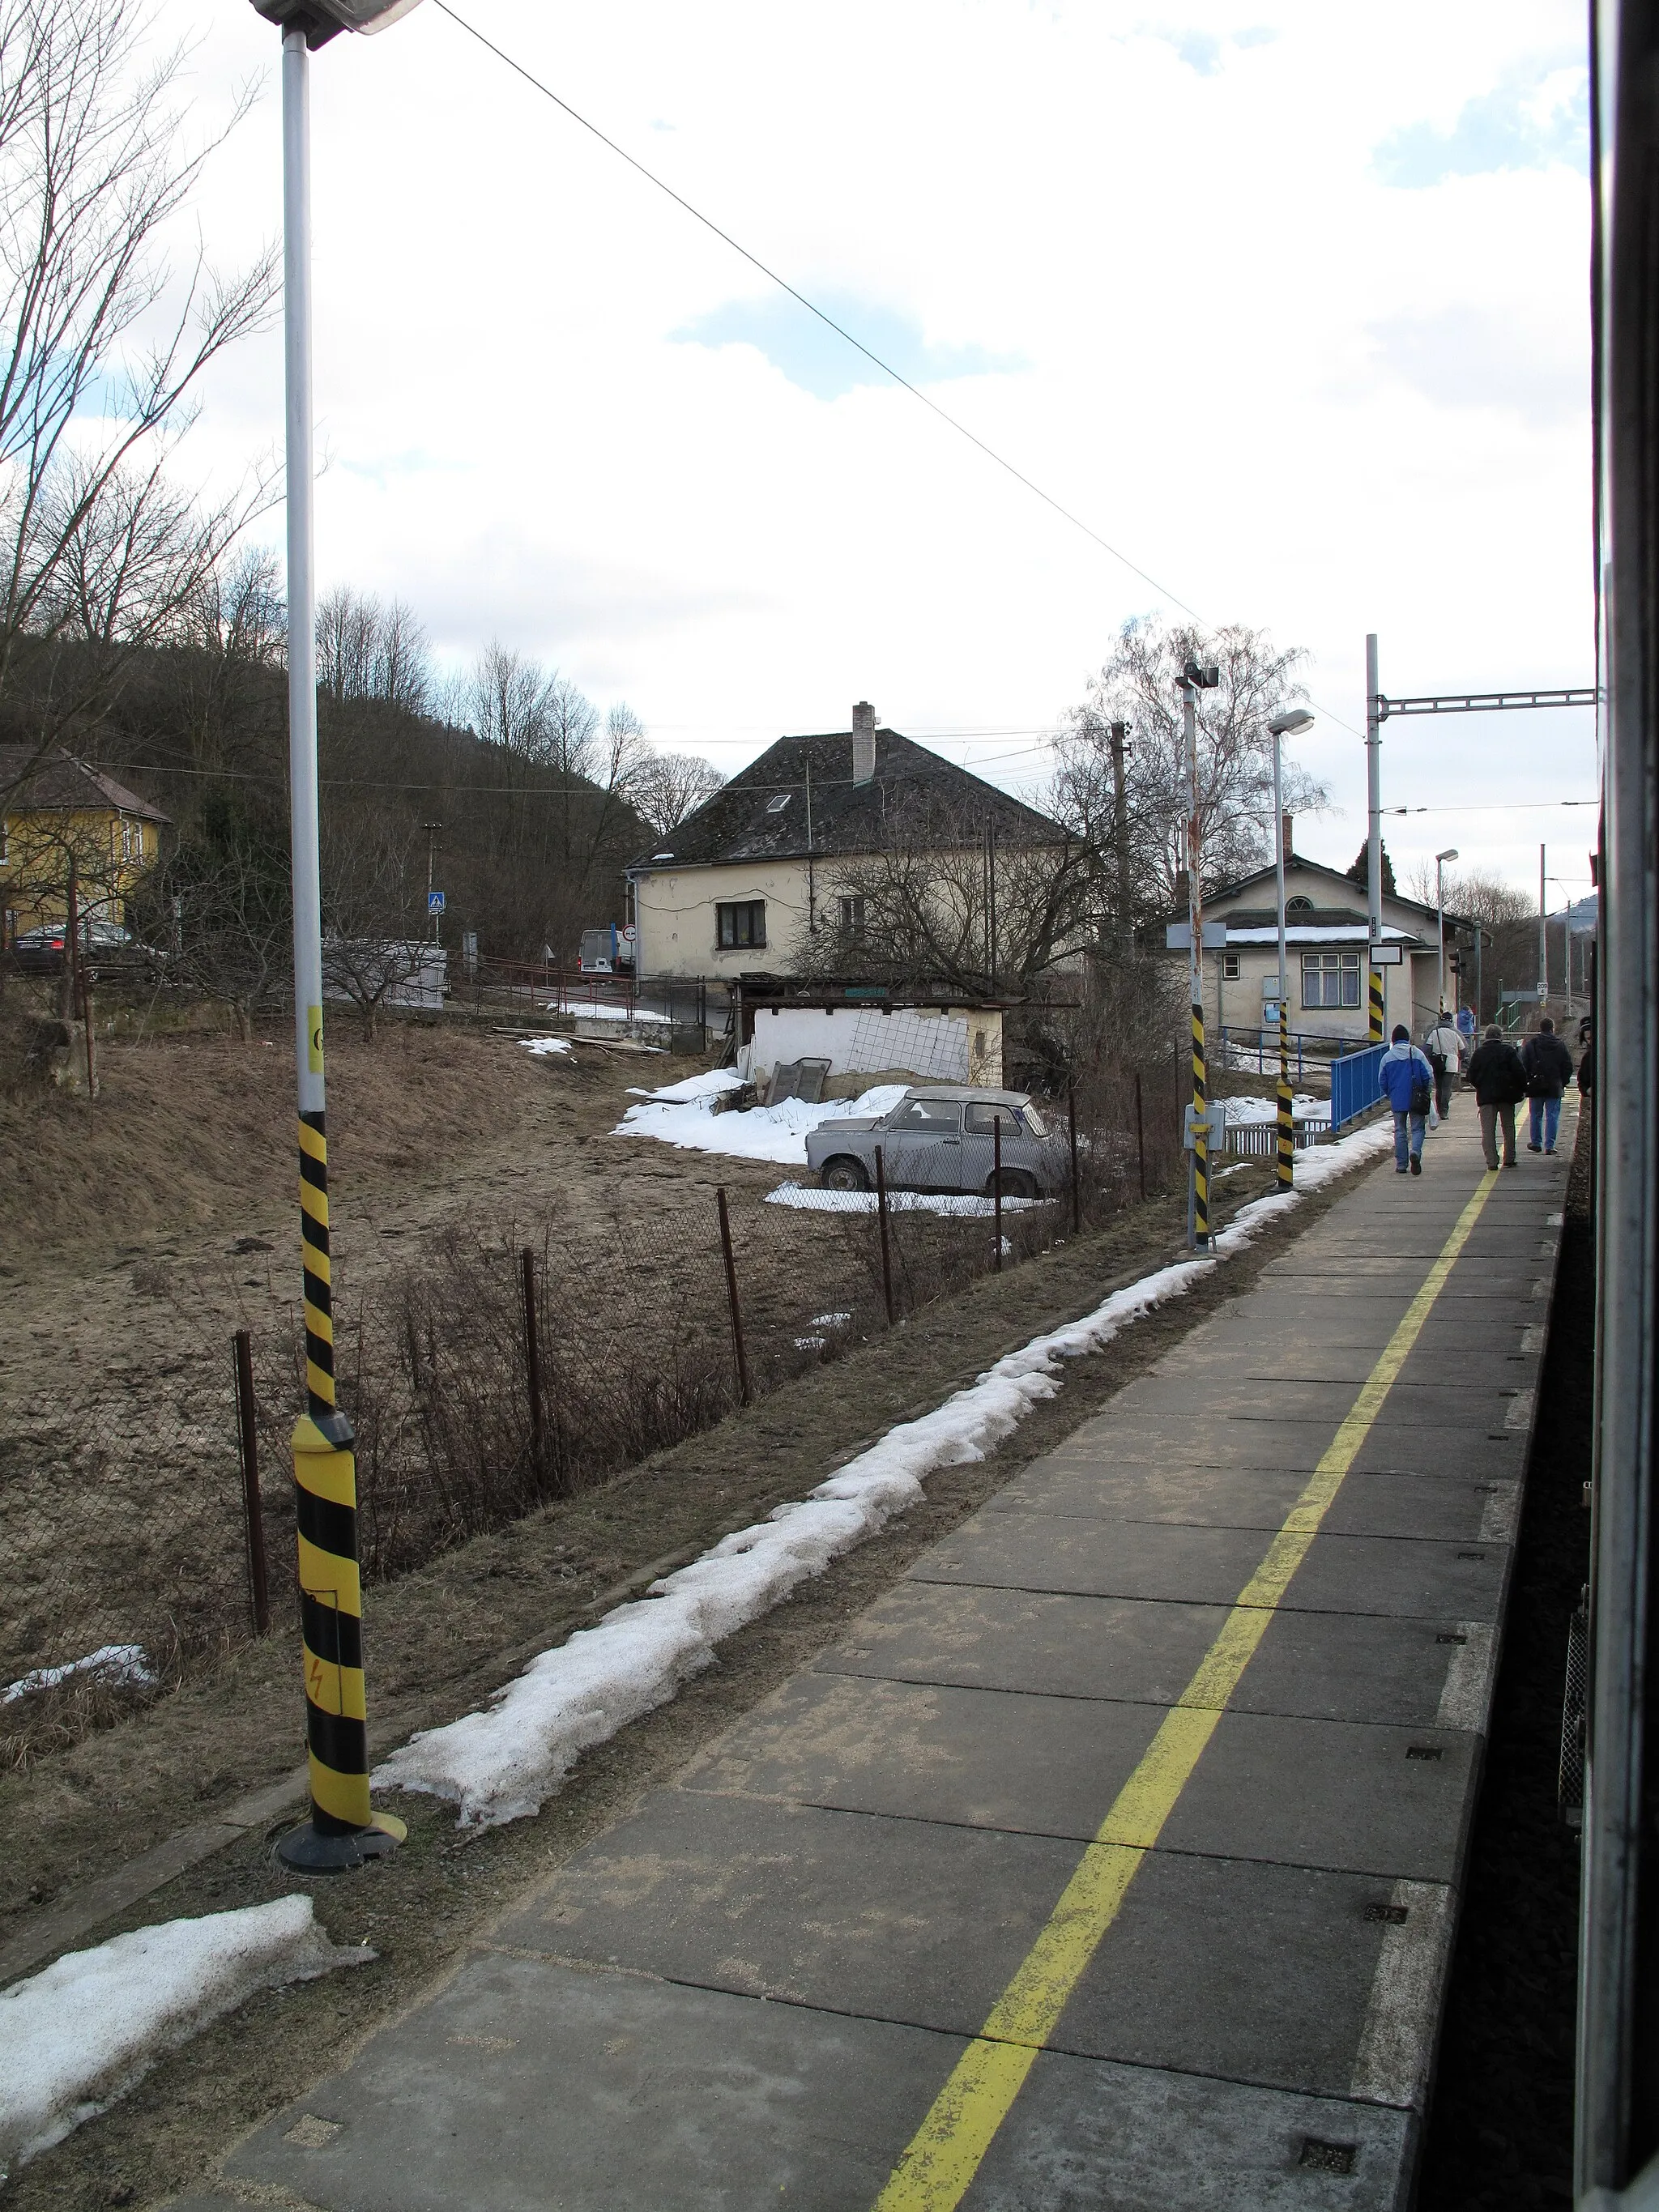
<point>1286,301</point>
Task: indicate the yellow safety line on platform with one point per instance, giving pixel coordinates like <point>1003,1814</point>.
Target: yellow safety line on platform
<point>937,2165</point>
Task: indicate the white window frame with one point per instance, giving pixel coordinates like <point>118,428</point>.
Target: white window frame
<point>1324,969</point>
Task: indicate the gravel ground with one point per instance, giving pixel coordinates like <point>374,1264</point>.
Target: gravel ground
<point>1500,2133</point>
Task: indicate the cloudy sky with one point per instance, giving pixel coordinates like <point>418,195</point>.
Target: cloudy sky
<point>1286,299</point>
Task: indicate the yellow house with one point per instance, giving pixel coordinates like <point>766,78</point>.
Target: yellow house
<point>59,817</point>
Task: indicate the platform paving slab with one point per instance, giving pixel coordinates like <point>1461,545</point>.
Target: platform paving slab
<point>1382,1502</point>
<point>1297,1791</point>
<point>1170,1559</point>
<point>1363,1668</point>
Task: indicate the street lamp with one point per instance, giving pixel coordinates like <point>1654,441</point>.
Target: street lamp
<point>1291,724</point>
<point>1440,860</point>
<point>343,1829</point>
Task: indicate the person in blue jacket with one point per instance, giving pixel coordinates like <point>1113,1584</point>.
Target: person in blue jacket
<point>1405,1078</point>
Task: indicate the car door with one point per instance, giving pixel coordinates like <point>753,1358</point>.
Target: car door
<point>922,1145</point>
<point>979,1143</point>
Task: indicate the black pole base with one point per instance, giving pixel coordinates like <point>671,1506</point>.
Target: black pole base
<point>311,1850</point>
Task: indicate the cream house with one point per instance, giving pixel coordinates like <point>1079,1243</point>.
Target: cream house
<point>1326,935</point>
<point>744,881</point>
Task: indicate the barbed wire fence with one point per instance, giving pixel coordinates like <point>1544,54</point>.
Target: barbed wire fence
<point>146,1517</point>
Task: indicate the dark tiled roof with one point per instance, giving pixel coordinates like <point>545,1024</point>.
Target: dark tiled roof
<point>59,780</point>
<point>914,798</point>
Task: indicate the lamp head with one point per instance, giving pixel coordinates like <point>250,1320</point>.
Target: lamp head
<point>1291,724</point>
<point>323,20</point>
<point>1450,853</point>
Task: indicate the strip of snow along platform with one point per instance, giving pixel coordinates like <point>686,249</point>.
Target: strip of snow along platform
<point>503,1763</point>
<point>78,2035</point>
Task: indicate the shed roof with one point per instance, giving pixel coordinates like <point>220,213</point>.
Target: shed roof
<point>56,782</point>
<point>914,795</point>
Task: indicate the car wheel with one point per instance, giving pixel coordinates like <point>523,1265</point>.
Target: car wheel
<point>844,1173</point>
<point>1014,1185</point>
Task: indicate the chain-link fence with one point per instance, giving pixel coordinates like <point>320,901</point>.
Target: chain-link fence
<point>501,1367</point>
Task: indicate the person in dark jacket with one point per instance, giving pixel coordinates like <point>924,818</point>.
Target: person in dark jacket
<point>1549,1069</point>
<point>1405,1078</point>
<point>1587,1063</point>
<point>1500,1083</point>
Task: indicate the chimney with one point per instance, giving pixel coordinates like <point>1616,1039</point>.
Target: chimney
<point>864,742</point>
<point>1288,847</point>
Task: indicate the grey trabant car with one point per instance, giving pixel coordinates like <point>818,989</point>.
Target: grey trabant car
<point>941,1136</point>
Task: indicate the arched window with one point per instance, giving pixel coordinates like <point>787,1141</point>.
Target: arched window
<point>1298,906</point>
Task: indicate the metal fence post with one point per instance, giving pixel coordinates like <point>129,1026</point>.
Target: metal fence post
<point>1140,1134</point>
<point>247,1442</point>
<point>731,1298</point>
<point>532,1359</point>
<point>996,1190</point>
<point>881,1217</point>
<point>1070,1127</point>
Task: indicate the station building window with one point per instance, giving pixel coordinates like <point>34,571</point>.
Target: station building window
<point>1330,978</point>
<point>740,923</point>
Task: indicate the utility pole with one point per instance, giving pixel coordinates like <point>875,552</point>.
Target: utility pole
<point>1543,939</point>
<point>1195,679</point>
<point>1291,724</point>
<point>432,830</point>
<point>1374,837</point>
<point>1119,739</point>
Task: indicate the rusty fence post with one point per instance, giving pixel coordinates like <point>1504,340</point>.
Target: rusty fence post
<point>731,1299</point>
<point>247,1443</point>
<point>996,1190</point>
<point>533,1360</point>
<point>1070,1130</point>
<point>886,1251</point>
<point>1140,1134</point>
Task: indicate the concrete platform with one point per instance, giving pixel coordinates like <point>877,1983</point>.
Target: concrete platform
<point>751,1990</point>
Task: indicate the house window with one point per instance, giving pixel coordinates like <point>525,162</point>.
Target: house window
<point>126,840</point>
<point>852,916</point>
<point>1330,978</point>
<point>1230,967</point>
<point>741,925</point>
<point>1298,906</point>
<point>776,805</point>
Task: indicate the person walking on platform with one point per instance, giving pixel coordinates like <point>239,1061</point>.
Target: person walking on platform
<point>1445,1047</point>
<point>1500,1083</point>
<point>1549,1069</point>
<point>1405,1078</point>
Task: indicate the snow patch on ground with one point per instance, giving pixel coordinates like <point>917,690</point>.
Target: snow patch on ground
<point>682,1115</point>
<point>503,1763</point>
<point>808,1199</point>
<point>542,1046</point>
<point>604,1010</point>
<point>1303,1108</point>
<point>77,2036</point>
<point>124,1664</point>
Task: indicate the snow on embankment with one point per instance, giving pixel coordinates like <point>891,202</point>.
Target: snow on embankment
<point>501,1763</point>
<point>76,2036</point>
<point>683,1113</point>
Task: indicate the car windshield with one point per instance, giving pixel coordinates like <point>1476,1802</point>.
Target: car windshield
<point>1034,1122</point>
<point>932,1117</point>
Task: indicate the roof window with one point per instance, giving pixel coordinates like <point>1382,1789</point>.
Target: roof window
<point>775,805</point>
<point>1298,906</point>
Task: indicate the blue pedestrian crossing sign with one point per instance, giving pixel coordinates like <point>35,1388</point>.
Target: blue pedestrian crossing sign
<point>434,902</point>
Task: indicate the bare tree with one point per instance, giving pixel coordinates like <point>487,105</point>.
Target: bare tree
<point>98,550</point>
<point>937,905</point>
<point>223,900</point>
<point>1141,685</point>
<point>668,787</point>
<point>371,884</point>
<point>367,651</point>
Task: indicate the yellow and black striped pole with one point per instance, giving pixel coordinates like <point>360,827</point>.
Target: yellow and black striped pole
<point>344,1829</point>
<point>1377,1005</point>
<point>1201,1134</point>
<point>1286,1121</point>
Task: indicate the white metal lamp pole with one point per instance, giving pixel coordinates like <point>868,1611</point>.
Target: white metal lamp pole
<point>343,1829</point>
<point>1374,834</point>
<point>1440,860</point>
<point>1282,726</point>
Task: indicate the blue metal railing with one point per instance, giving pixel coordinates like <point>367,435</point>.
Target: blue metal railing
<point>1353,1084</point>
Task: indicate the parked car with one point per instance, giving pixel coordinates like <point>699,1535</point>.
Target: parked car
<point>105,945</point>
<point>941,1137</point>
